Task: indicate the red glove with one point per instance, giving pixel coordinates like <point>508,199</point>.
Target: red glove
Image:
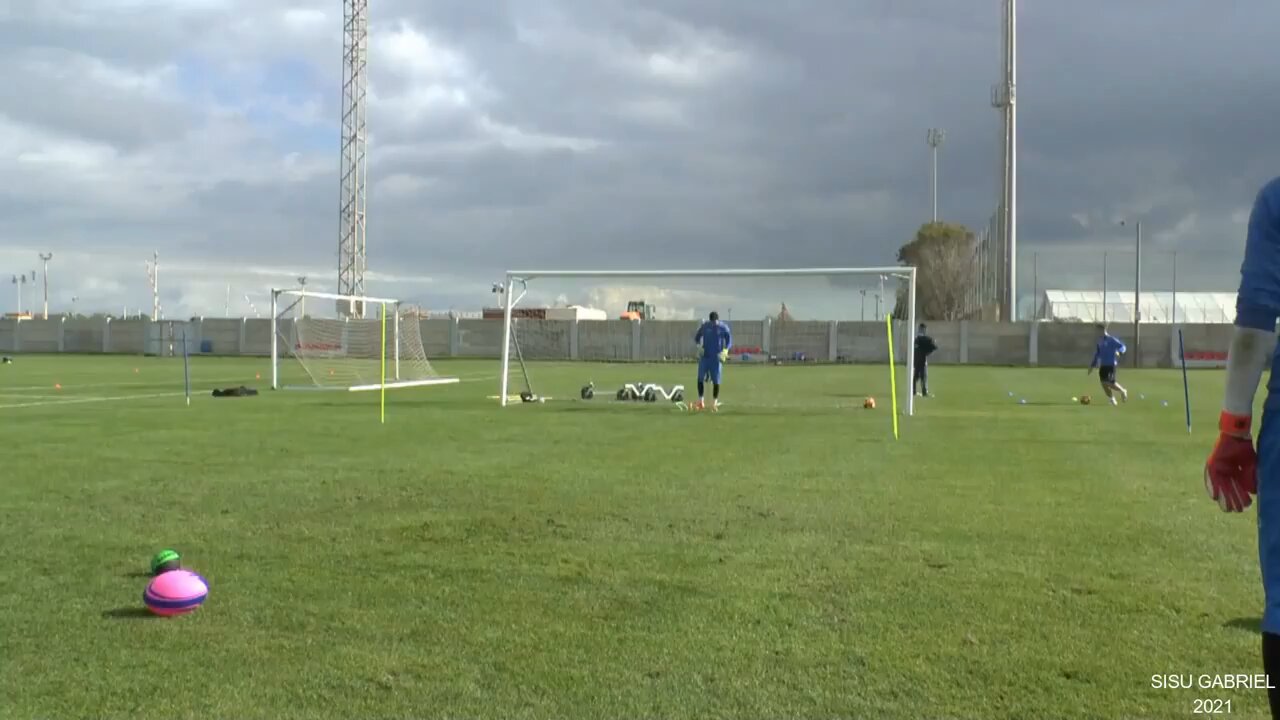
<point>1231,472</point>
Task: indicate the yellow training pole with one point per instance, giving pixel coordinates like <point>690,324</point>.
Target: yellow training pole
<point>382,391</point>
<point>893,377</point>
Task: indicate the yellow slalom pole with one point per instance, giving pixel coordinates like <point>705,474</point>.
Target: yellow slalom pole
<point>382,391</point>
<point>893,376</point>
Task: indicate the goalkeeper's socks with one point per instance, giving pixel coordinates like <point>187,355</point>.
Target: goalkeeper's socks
<point>1271,666</point>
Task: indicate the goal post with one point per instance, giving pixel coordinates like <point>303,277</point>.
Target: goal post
<point>326,348</point>
<point>530,334</point>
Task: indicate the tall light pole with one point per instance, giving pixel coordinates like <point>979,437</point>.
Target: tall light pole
<point>46,257</point>
<point>864,304</point>
<point>935,138</point>
<point>17,285</point>
<point>153,279</point>
<point>354,165</point>
<point>1137,289</point>
<point>1003,98</point>
<point>1104,288</point>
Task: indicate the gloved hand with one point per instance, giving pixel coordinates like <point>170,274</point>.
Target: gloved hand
<point>1231,472</point>
<point>724,355</point>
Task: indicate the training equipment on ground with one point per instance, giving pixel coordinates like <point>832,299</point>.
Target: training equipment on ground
<point>780,318</point>
<point>7,360</point>
<point>1231,472</point>
<point>164,561</point>
<point>869,403</point>
<point>241,391</point>
<point>588,391</point>
<point>1085,400</point>
<point>340,342</point>
<point>649,392</point>
<point>176,592</point>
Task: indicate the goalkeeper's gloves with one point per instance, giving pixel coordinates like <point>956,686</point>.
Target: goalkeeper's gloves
<point>724,355</point>
<point>1231,472</point>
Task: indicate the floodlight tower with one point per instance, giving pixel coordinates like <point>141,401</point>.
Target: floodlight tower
<point>353,170</point>
<point>1003,96</point>
<point>935,138</point>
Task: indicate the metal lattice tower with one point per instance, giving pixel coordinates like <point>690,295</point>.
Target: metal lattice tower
<point>354,170</point>
<point>1003,98</point>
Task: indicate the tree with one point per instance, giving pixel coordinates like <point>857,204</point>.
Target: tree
<point>943,255</point>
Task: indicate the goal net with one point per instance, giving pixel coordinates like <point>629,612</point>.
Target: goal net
<point>320,345</point>
<point>811,338</point>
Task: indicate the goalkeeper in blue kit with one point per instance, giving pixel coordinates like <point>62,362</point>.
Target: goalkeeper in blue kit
<point>1234,471</point>
<point>1107,358</point>
<point>715,339</point>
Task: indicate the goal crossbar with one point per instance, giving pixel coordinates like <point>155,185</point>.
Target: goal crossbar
<point>904,272</point>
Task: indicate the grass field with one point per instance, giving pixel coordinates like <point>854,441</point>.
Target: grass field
<point>785,558</point>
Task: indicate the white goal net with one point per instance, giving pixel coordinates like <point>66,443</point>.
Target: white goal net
<point>318,345</point>
<point>813,338</point>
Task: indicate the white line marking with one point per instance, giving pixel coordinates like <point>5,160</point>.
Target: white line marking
<point>77,401</point>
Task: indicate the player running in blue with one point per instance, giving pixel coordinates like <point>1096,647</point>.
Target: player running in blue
<point>715,339</point>
<point>1106,358</point>
<point>1234,471</point>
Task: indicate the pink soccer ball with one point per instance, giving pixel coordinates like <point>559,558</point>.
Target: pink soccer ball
<point>176,592</point>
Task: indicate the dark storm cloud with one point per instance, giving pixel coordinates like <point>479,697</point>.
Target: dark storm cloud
<point>605,133</point>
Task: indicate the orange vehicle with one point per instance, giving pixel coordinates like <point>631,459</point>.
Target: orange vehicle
<point>638,310</point>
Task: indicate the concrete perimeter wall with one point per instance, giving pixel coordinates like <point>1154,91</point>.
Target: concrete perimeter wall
<point>976,343</point>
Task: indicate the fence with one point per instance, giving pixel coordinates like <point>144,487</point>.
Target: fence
<point>964,342</point>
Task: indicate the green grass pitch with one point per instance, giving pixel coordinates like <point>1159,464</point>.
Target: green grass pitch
<point>784,558</point>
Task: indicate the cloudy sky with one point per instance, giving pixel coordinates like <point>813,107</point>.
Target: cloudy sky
<point>615,133</point>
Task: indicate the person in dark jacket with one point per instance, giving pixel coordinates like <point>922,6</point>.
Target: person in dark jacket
<point>925,346</point>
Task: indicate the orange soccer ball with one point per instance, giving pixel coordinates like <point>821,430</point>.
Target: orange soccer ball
<point>869,403</point>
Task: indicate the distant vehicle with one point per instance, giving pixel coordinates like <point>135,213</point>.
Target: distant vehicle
<point>638,310</point>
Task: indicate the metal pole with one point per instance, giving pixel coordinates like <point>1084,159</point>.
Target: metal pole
<point>1137,294</point>
<point>1104,288</point>
<point>508,288</point>
<point>907,348</point>
<point>935,137</point>
<point>1175,288</point>
<point>1035,286</point>
<point>46,257</point>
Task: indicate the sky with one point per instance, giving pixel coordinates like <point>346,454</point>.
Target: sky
<point>613,134</point>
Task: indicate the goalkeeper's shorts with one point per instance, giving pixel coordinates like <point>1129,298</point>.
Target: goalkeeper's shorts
<point>709,368</point>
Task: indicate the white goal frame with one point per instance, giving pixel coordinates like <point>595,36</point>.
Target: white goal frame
<point>392,379</point>
<point>521,277</point>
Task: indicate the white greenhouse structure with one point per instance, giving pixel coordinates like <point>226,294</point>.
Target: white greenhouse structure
<point>1193,308</point>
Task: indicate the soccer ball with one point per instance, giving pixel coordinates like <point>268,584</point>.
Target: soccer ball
<point>1084,400</point>
<point>869,403</point>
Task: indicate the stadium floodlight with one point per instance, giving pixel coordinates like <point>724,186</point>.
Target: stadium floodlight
<point>346,353</point>
<point>537,329</point>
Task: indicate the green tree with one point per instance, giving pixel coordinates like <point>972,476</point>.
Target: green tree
<point>943,255</point>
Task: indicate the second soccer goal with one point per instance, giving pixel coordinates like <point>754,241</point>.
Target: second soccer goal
<point>797,338</point>
<point>326,341</point>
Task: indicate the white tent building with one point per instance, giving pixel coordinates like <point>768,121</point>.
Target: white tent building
<point>1193,308</point>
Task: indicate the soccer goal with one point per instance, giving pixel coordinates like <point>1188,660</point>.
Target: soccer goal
<point>627,336</point>
<point>327,345</point>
